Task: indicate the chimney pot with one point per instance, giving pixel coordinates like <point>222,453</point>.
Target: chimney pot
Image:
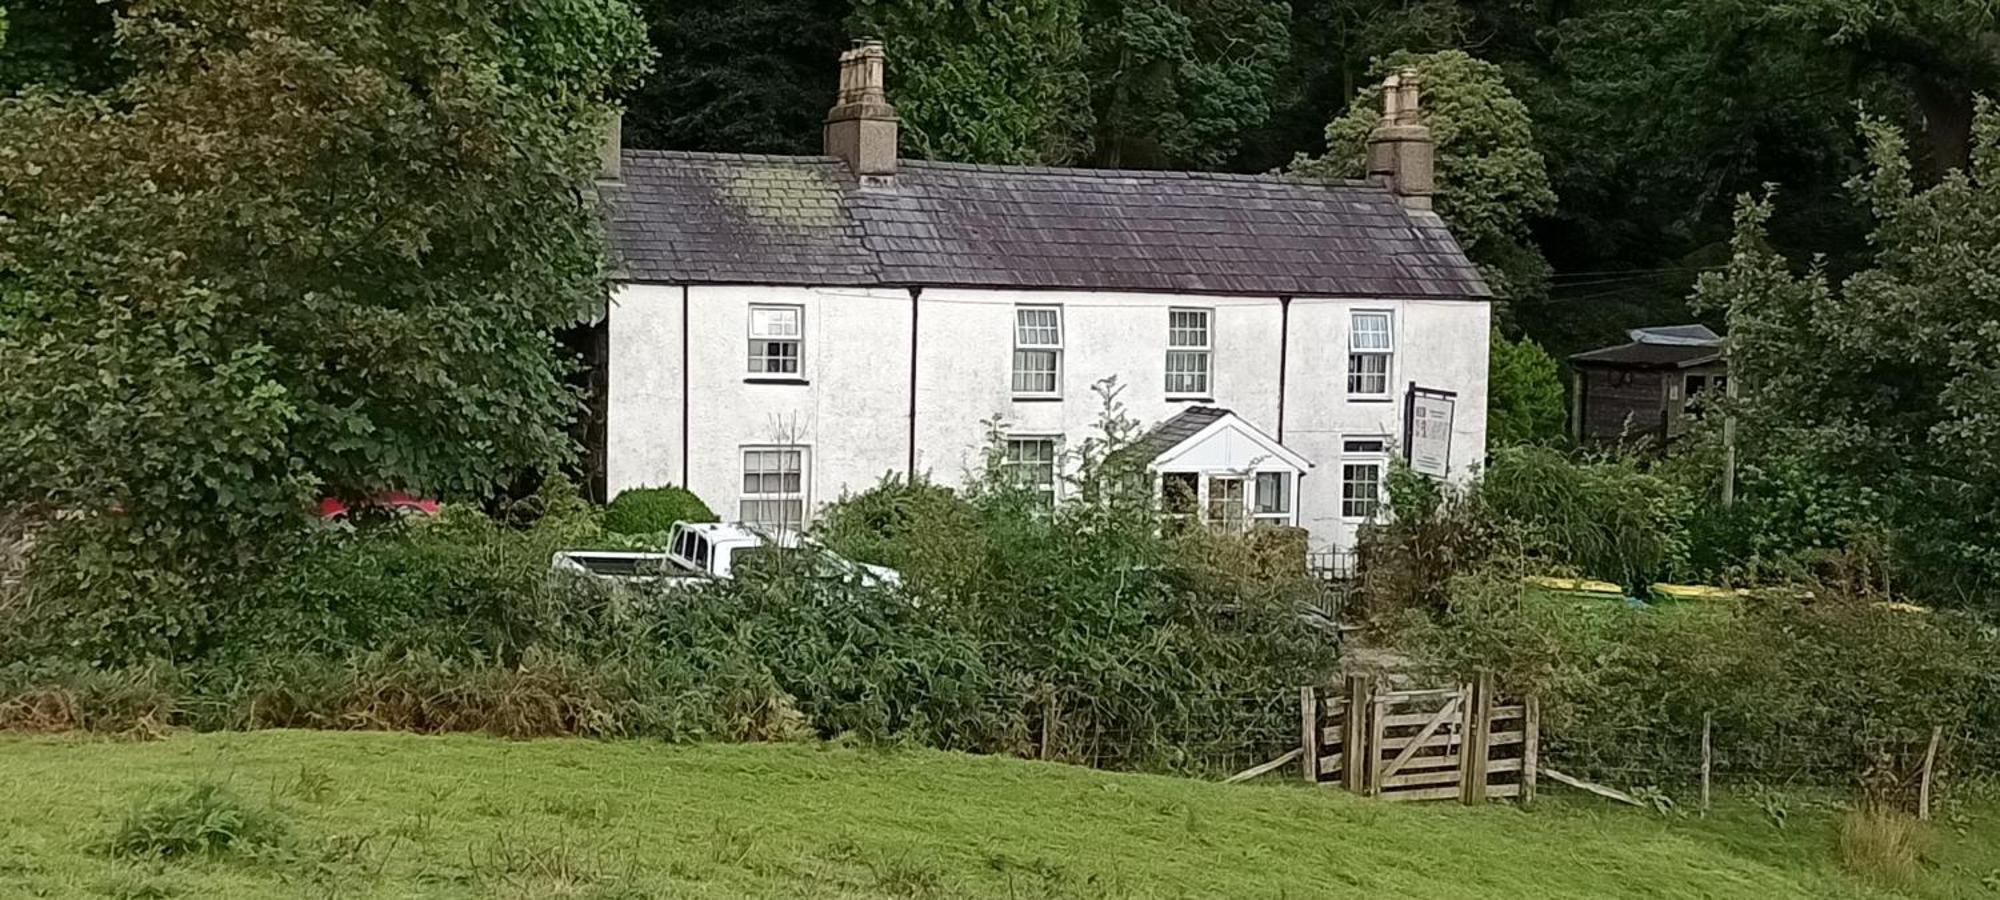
<point>1401,153</point>
<point>861,129</point>
<point>609,147</point>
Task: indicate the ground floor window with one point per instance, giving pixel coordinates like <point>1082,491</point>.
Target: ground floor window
<point>1363,461</point>
<point>1226,506</point>
<point>1031,465</point>
<point>1274,498</point>
<point>774,487</point>
<point>1180,495</point>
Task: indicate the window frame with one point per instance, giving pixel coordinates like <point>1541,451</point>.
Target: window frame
<point>1355,453</point>
<point>1385,356</point>
<point>1054,349</point>
<point>762,342</point>
<point>1287,489</point>
<point>1012,466</point>
<point>801,496</point>
<point>1241,519</point>
<point>1203,351</point>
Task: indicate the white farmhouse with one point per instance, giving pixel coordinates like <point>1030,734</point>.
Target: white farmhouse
<point>788,328</point>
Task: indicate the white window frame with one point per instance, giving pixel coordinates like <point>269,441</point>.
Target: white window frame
<point>1359,356</point>
<point>1181,382</point>
<point>1211,504</point>
<point>1037,343</point>
<point>1288,494</point>
<point>762,339</point>
<point>1016,466</point>
<point>759,495</point>
<point>1196,495</point>
<point>1357,453</point>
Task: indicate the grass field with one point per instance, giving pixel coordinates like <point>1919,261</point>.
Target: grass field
<point>388,815</point>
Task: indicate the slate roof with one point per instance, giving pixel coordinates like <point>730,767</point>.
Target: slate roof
<point>1173,432</point>
<point>709,218</point>
<point>1649,356</point>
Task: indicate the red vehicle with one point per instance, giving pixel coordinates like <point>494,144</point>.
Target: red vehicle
<point>395,503</point>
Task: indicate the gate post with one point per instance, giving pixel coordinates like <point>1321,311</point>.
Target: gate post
<point>1478,733</point>
<point>1309,732</point>
<point>1354,751</point>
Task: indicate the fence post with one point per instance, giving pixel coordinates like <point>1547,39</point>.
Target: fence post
<point>1478,727</point>
<point>1924,786</point>
<point>1531,749</point>
<point>1309,732</point>
<point>1378,725</point>
<point>1707,728</point>
<point>1354,734</point>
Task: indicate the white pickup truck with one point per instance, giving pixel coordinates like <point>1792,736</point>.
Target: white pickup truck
<point>697,550</point>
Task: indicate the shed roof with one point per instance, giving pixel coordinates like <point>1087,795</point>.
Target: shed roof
<point>1638,355</point>
<point>695,218</point>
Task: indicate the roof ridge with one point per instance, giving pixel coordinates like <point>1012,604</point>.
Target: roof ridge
<point>1113,172</point>
<point>635,152</point>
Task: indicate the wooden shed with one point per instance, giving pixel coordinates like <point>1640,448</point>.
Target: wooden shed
<point>1648,389</point>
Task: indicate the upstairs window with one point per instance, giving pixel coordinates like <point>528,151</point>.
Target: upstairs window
<point>1038,351</point>
<point>1371,346</point>
<point>774,487</point>
<point>1362,463</point>
<point>777,339</point>
<point>1031,466</point>
<point>1188,350</point>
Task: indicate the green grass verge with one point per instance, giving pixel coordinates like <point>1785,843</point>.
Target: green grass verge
<point>393,815</point>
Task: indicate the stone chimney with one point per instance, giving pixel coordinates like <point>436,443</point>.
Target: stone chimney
<point>611,143</point>
<point>861,127</point>
<point>1401,155</point>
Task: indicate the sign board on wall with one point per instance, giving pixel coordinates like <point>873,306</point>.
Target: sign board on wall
<point>1427,422</point>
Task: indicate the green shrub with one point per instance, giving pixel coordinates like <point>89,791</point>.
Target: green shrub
<point>1821,689</point>
<point>204,819</point>
<point>654,510</point>
<point>1604,517</point>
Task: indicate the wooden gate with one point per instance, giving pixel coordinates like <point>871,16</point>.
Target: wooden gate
<point>1457,742</point>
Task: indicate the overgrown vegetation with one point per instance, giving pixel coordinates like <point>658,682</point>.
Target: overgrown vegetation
<point>202,819</point>
<point>1086,632</point>
<point>654,510</point>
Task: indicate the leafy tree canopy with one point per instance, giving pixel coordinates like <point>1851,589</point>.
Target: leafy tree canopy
<point>1888,382</point>
<point>306,245</point>
<point>996,81</point>
<point>1524,394</point>
<point>739,77</point>
<point>1491,179</point>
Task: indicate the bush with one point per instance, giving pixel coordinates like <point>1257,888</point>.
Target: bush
<point>205,819</point>
<point>1825,689</point>
<point>1606,517</point>
<point>1883,845</point>
<point>654,510</point>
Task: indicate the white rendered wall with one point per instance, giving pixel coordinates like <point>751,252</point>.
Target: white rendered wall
<point>853,411</point>
<point>966,358</point>
<point>1440,344</point>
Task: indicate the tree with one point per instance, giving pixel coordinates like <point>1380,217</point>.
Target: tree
<point>308,245</point>
<point>995,81</point>
<point>1491,181</point>
<point>1889,383</point>
<point>753,76</point>
<point>1175,84</point>
<point>60,43</point>
<point>1524,394</point>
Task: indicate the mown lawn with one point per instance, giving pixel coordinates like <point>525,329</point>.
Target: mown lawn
<point>388,815</point>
